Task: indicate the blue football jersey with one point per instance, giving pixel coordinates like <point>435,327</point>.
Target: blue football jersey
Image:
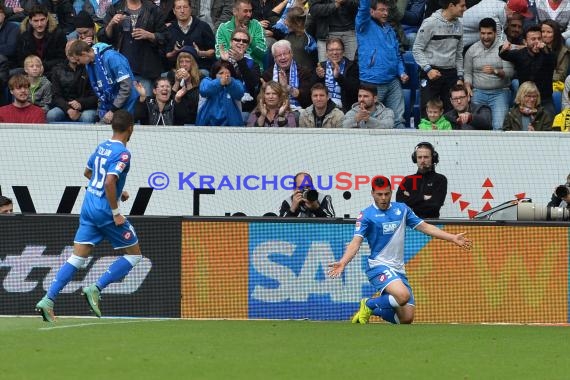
<point>110,158</point>
<point>385,231</point>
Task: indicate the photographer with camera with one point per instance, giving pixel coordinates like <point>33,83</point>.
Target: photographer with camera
<point>306,202</point>
<point>561,195</point>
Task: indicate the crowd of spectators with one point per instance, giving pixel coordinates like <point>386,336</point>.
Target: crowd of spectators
<point>486,65</point>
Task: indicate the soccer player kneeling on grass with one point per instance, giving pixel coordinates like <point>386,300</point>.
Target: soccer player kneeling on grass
<point>100,218</point>
<point>384,225</point>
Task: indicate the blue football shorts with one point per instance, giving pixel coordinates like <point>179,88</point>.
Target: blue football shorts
<point>381,276</point>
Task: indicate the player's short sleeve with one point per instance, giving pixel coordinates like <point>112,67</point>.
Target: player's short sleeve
<point>120,164</point>
<point>412,220</point>
<point>91,161</point>
<point>361,226</point>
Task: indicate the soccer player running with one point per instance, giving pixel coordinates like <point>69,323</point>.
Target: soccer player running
<point>384,225</point>
<point>100,218</point>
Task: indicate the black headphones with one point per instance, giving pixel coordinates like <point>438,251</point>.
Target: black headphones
<point>434,154</point>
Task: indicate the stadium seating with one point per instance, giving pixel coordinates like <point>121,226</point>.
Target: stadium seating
<point>411,93</point>
<point>557,100</point>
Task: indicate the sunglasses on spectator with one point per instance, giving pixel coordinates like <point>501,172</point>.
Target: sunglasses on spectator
<point>242,40</point>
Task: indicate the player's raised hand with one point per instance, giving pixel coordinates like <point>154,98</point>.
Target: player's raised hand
<point>335,269</point>
<point>125,196</point>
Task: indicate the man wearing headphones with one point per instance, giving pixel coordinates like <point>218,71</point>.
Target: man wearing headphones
<point>425,191</point>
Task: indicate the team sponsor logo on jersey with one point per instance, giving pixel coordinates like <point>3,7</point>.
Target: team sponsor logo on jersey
<point>389,227</point>
<point>125,157</point>
<point>398,212</point>
<point>127,235</point>
<point>120,166</point>
<point>382,277</point>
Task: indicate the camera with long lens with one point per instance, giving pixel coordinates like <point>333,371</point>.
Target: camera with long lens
<point>310,194</point>
<point>532,211</point>
<point>525,210</point>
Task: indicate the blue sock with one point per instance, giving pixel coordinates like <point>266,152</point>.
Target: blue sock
<point>63,276</point>
<point>116,272</point>
<point>388,315</point>
<point>385,301</point>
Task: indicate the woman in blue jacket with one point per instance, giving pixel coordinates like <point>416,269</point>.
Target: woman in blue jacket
<point>222,93</point>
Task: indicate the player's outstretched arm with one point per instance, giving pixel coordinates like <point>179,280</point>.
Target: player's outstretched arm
<point>460,240</point>
<point>336,268</point>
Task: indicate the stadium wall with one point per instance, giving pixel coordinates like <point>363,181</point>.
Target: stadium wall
<point>43,166</point>
<point>252,268</point>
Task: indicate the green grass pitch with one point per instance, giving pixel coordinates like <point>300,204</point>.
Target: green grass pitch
<point>107,348</point>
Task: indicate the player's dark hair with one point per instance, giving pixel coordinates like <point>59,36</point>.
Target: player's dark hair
<point>380,183</point>
<point>562,191</point>
<point>488,22</point>
<point>5,201</point>
<point>122,120</point>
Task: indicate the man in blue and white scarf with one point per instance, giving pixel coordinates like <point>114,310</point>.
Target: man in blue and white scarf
<point>110,76</point>
<point>295,79</point>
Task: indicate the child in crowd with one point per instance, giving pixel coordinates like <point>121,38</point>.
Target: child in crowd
<point>435,120</point>
<point>40,86</point>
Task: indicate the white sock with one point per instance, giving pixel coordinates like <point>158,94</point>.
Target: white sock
<point>77,261</point>
<point>133,259</point>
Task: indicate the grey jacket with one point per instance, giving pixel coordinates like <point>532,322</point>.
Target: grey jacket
<point>439,43</point>
<point>382,118</point>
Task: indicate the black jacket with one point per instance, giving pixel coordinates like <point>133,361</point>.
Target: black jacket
<point>536,68</point>
<point>349,83</point>
<point>199,33</point>
<point>148,60</point>
<point>482,119</point>
<point>148,113</point>
<point>430,183</point>
<point>53,49</point>
<point>68,84</point>
<point>325,209</point>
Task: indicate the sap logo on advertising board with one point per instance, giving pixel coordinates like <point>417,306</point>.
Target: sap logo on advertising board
<point>287,283</point>
<point>20,267</point>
